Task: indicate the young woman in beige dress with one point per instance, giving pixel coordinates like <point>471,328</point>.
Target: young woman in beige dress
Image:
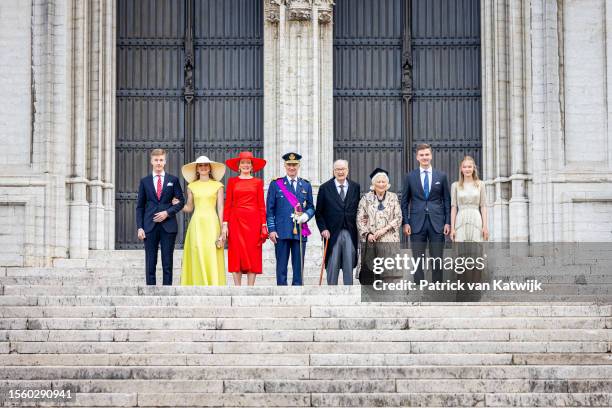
<point>468,205</point>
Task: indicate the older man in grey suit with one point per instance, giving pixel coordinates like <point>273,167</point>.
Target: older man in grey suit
<point>336,216</point>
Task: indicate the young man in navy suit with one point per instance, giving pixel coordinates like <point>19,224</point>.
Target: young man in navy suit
<point>426,211</point>
<point>156,216</point>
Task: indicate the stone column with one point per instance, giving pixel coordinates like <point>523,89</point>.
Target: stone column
<point>77,183</point>
<point>326,91</point>
<point>496,121</point>
<point>545,115</point>
<point>109,67</point>
<point>51,38</point>
<point>101,124</point>
<point>298,85</point>
<point>95,57</point>
<point>519,204</point>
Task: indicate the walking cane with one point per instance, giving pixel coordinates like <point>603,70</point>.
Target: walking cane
<point>323,262</point>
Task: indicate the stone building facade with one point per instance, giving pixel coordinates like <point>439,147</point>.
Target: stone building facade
<point>547,143</point>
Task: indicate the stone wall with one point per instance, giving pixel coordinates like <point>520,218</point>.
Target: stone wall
<point>57,121</point>
<point>571,195</point>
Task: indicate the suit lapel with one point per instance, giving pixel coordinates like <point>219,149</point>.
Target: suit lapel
<point>417,174</point>
<point>166,181</point>
<point>149,186</point>
<point>353,190</point>
<point>434,178</point>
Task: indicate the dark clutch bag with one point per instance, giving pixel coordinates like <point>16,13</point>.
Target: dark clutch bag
<point>366,273</point>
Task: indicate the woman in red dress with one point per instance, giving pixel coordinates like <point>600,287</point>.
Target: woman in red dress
<point>244,218</point>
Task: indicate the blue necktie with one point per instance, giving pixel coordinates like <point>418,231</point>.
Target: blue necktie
<point>426,185</point>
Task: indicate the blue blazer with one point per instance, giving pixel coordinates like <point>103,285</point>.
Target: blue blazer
<point>415,206</point>
<point>278,209</point>
<point>148,204</point>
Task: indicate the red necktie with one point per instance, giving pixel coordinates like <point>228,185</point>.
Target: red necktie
<point>159,186</point>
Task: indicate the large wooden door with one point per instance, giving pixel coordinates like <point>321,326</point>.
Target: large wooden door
<point>189,80</point>
<point>150,101</point>
<point>368,124</point>
<point>406,72</point>
<point>228,42</point>
<point>446,101</point>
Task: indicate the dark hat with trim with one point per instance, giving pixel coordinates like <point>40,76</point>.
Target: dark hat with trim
<point>378,170</point>
<point>292,157</point>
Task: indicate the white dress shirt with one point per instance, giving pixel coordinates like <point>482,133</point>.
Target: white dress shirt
<point>346,186</point>
<point>430,171</point>
<point>163,178</point>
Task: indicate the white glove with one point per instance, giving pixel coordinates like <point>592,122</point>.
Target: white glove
<point>300,219</point>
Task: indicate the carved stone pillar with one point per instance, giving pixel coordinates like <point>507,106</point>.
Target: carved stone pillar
<point>298,47</point>
<point>77,183</point>
<point>518,209</point>
<point>95,131</point>
<point>109,67</point>
<point>496,122</point>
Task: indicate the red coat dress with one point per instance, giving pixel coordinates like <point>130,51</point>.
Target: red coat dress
<point>245,212</point>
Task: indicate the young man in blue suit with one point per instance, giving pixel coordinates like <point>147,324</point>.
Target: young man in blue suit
<point>426,211</point>
<point>156,216</point>
<point>289,206</point>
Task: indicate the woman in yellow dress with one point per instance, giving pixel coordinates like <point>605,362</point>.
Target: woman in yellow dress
<point>203,257</point>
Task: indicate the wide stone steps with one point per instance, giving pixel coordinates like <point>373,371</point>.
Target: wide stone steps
<point>93,327</point>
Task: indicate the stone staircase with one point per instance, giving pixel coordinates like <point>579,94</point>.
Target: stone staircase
<point>93,328</point>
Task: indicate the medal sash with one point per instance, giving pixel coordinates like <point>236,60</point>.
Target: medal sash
<point>292,199</point>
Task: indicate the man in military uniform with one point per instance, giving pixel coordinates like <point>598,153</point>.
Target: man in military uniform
<point>289,206</point>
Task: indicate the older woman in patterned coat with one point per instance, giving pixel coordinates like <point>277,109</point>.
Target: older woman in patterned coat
<point>379,217</point>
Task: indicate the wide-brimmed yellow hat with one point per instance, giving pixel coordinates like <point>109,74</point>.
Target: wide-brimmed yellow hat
<point>217,170</point>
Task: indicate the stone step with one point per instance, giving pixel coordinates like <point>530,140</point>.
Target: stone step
<point>228,323</point>
<point>114,272</point>
<point>136,258</point>
<point>94,399</point>
<point>285,373</point>
<point>225,399</point>
<point>287,296</point>
<point>600,284</point>
<point>259,289</point>
<point>157,359</point>
<point>134,281</point>
<point>299,323</point>
<point>462,359</point>
<point>318,386</point>
<point>54,290</point>
<point>454,335</point>
<point>203,359</point>
<point>306,310</point>
<point>180,300</point>
<point>295,347</point>
<point>430,399</point>
<point>439,399</point>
